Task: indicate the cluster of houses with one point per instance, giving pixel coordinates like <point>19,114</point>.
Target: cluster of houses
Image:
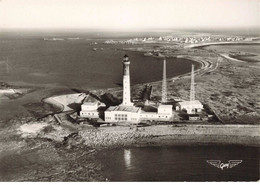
<point>180,39</point>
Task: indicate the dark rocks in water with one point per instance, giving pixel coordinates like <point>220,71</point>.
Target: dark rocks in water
<point>13,96</point>
<point>4,85</point>
<point>15,91</point>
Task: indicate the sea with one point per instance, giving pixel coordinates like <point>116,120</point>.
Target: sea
<point>79,60</point>
<point>74,60</point>
<point>180,163</point>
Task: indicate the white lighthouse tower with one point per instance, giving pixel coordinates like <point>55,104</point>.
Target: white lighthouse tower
<point>126,82</point>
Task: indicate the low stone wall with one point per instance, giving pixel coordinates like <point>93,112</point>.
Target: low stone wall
<point>113,136</point>
<point>127,136</point>
<point>172,134</point>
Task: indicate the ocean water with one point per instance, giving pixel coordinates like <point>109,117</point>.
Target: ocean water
<point>180,163</point>
<point>75,62</point>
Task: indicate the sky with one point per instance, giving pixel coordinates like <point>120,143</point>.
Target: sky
<point>129,14</point>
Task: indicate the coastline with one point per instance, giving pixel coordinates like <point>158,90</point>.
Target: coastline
<point>76,143</point>
<point>220,43</point>
<point>205,66</point>
<point>225,55</point>
<point>72,156</point>
<point>172,135</point>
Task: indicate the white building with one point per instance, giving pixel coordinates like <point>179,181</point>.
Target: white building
<point>89,109</point>
<point>164,113</point>
<point>135,114</point>
<point>191,107</point>
<point>127,112</point>
<point>165,109</point>
<point>123,114</point>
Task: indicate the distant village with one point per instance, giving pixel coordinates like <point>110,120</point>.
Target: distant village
<point>179,39</point>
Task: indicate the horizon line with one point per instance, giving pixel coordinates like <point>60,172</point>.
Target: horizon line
<point>68,29</point>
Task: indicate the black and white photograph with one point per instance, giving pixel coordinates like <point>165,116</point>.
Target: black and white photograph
<point>129,91</point>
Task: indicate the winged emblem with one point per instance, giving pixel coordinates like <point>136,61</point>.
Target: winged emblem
<point>219,164</point>
<point>215,163</point>
<point>233,163</point>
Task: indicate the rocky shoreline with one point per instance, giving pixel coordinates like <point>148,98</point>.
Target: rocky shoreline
<point>153,135</point>
<point>70,150</point>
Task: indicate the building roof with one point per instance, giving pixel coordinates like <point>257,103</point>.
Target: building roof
<point>124,109</point>
<point>195,102</point>
<point>95,110</point>
<point>165,106</point>
<point>90,103</point>
<point>90,99</point>
<point>144,112</point>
